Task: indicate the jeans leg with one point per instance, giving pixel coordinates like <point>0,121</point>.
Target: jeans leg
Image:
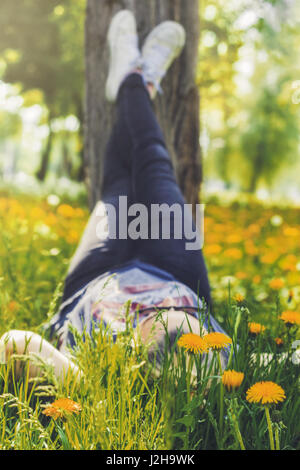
<point>154,183</point>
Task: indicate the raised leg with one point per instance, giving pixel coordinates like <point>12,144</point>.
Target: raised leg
<point>154,183</point>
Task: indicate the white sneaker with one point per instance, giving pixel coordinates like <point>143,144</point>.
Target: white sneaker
<point>161,47</point>
<point>125,55</point>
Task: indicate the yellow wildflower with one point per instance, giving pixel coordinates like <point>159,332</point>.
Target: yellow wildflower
<point>61,407</point>
<point>290,318</point>
<point>256,328</point>
<point>217,340</point>
<point>193,342</point>
<point>232,379</point>
<point>265,393</point>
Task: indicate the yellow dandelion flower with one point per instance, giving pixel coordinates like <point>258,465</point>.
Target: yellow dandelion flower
<point>257,279</point>
<point>192,342</point>
<point>241,275</point>
<point>272,241</point>
<point>16,209</point>
<point>265,393</point>
<point>290,318</point>
<point>78,212</point>
<point>276,284</point>
<point>239,298</point>
<point>234,253</point>
<point>269,258</point>
<point>251,249</point>
<point>51,220</point>
<point>72,236</point>
<point>12,306</point>
<point>61,407</point>
<point>232,379</point>
<point>217,340</point>
<point>278,341</point>
<point>3,204</point>
<point>289,263</point>
<point>37,213</point>
<point>254,228</point>
<point>291,232</point>
<point>234,238</point>
<point>213,249</point>
<point>65,211</point>
<point>256,328</point>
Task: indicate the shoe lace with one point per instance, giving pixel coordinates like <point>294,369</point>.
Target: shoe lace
<point>156,66</point>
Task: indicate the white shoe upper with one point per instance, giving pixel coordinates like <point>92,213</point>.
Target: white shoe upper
<point>161,47</point>
<point>125,55</point>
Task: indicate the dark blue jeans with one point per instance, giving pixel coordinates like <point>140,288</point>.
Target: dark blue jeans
<point>137,165</point>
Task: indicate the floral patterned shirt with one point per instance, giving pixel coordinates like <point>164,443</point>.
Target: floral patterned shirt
<point>131,290</point>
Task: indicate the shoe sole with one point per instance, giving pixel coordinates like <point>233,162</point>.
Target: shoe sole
<point>118,20</point>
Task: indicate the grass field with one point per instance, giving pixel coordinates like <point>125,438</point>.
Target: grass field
<point>253,259</point>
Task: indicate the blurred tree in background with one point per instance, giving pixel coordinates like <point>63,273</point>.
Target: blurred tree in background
<point>41,45</point>
<point>218,51</point>
<point>10,129</point>
<point>271,138</point>
<point>249,60</point>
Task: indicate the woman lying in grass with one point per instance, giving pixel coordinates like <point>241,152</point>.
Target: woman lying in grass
<point>108,271</point>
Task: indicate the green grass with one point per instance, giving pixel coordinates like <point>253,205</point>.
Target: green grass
<point>124,405</point>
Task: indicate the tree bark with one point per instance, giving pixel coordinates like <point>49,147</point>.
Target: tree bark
<point>177,109</point>
<point>45,157</point>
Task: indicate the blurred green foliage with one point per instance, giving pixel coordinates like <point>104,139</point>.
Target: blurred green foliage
<point>271,137</point>
<point>41,44</point>
<point>10,125</point>
<point>248,68</point>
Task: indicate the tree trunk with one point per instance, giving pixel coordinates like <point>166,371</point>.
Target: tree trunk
<point>80,176</point>
<point>45,158</point>
<point>177,109</point>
